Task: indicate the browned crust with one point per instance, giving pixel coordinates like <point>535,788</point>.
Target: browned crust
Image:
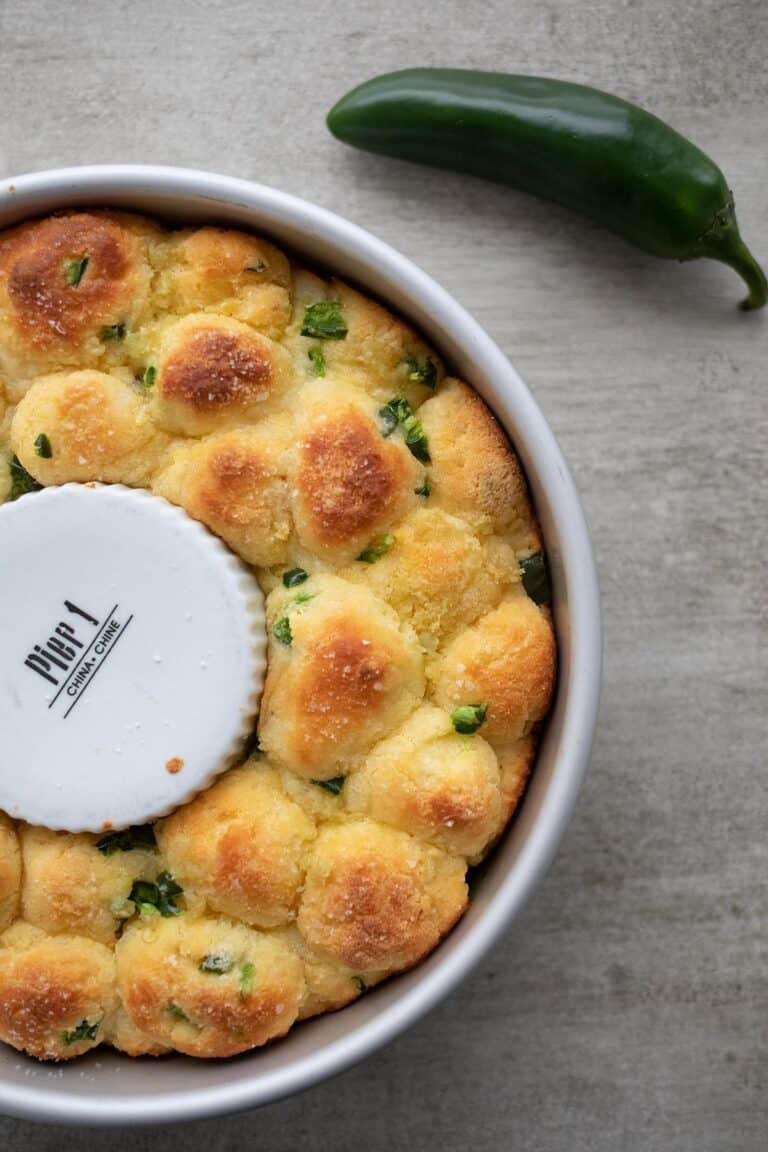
<point>47,310</point>
<point>350,480</point>
<point>215,369</point>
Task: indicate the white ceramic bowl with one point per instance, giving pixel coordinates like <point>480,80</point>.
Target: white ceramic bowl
<point>105,1088</point>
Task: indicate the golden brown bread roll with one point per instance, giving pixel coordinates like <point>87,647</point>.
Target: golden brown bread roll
<point>208,987</point>
<point>211,372</point>
<point>376,899</point>
<point>237,484</point>
<point>225,271</point>
<point>428,780</point>
<point>342,672</point>
<point>57,993</point>
<point>505,662</point>
<point>241,846</point>
<point>97,428</point>
<point>71,287</point>
<point>352,484</point>
<point>70,886</point>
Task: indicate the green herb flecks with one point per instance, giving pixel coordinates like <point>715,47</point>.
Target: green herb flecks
<point>126,839</point>
<point>177,1012</point>
<point>43,446</point>
<point>84,1031</point>
<point>324,321</point>
<point>112,332</point>
<point>216,964</point>
<point>247,977</point>
<point>399,412</point>
<point>156,899</point>
<point>316,362</point>
<point>536,578</point>
<point>334,785</point>
<point>424,490</point>
<point>419,373</point>
<point>376,549</point>
<point>74,270</point>
<point>294,576</point>
<point>468,718</point>
<point>150,376</point>
<point>282,631</point>
<point>393,413</point>
<point>21,481</point>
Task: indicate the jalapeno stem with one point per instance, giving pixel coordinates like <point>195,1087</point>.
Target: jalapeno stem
<point>723,242</point>
<point>732,250</point>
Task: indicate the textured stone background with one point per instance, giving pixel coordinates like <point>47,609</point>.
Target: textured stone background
<point>626,1009</point>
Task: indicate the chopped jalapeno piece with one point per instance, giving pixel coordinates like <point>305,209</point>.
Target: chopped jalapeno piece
<point>324,321</point>
<point>360,983</point>
<point>216,964</point>
<point>377,549</point>
<point>425,373</point>
<point>247,976</point>
<point>83,1031</point>
<point>74,270</point>
<point>113,332</point>
<point>282,631</point>
<point>399,411</point>
<point>21,481</point>
<point>178,1012</point>
<point>425,489</point>
<point>316,361</point>
<point>149,377</point>
<point>393,413</point>
<point>536,578</point>
<point>43,446</point>
<point>334,786</point>
<point>126,839</point>
<point>416,440</point>
<point>294,576</point>
<point>156,899</point>
<point>468,718</point>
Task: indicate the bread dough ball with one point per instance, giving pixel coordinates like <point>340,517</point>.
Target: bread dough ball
<point>474,473</point>
<point>428,780</point>
<point>210,372</point>
<point>237,484</point>
<point>10,871</point>
<point>383,356</point>
<point>97,426</point>
<point>349,674</point>
<point>437,575</point>
<point>71,287</point>
<point>57,993</point>
<point>208,987</point>
<point>70,886</point>
<point>241,845</point>
<point>229,272</point>
<point>377,899</point>
<point>352,483</point>
<point>507,662</point>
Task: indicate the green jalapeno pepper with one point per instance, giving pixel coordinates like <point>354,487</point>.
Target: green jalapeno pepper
<point>590,151</point>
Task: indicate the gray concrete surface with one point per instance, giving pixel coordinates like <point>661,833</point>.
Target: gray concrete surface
<point>627,1008</point>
